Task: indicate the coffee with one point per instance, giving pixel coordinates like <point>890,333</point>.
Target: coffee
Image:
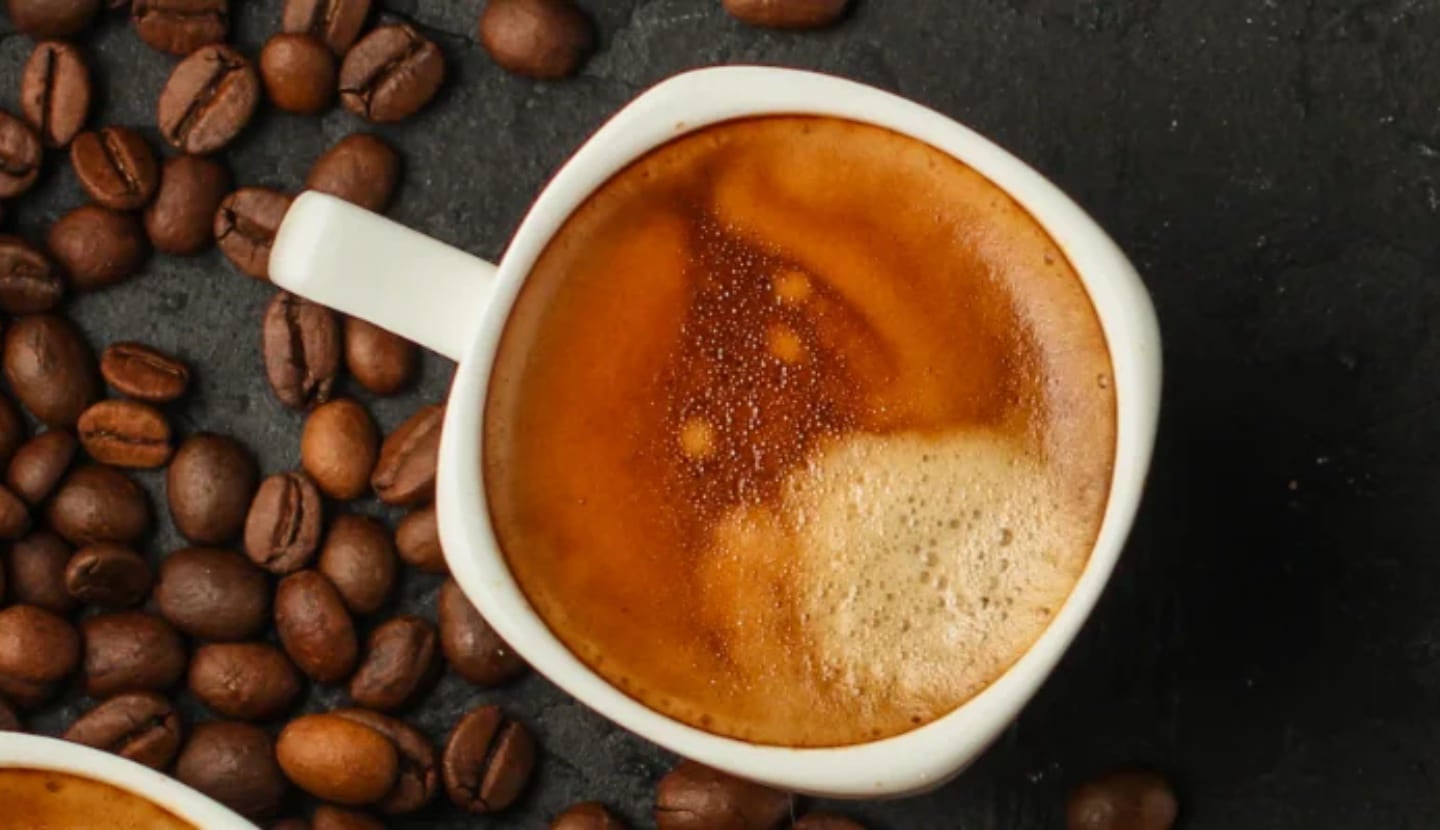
<point>801,431</point>
<point>45,800</point>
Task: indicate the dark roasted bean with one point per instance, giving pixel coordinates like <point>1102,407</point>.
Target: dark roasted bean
<point>36,572</point>
<point>130,651</point>
<point>300,343</point>
<point>418,779</point>
<point>694,796</point>
<point>96,503</point>
<point>29,281</point>
<point>391,74</point>
<point>181,220</point>
<point>20,156</point>
<point>400,662</point>
<point>282,530</point>
<point>245,681</point>
<point>338,448</point>
<point>359,560</point>
<point>144,373</point>
<point>38,649</point>
<point>125,433</point>
<point>116,167</point>
<point>143,727</point>
<point>405,471</point>
<point>39,464</point>
<point>335,22</point>
<point>213,594</point>
<point>488,760</point>
<point>209,486</point>
<point>314,627</point>
<point>417,539</point>
<point>245,226</point>
<point>179,27</point>
<point>52,18</point>
<point>98,247</point>
<point>55,91</point>
<point>108,575</point>
<point>209,99</point>
<point>360,168</point>
<point>299,73</point>
<point>233,763</point>
<point>471,646</point>
<point>537,38</point>
<point>51,368</point>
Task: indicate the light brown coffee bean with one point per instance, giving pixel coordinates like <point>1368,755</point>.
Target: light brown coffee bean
<point>51,368</point>
<point>825,821</point>
<point>55,92</point>
<point>471,646</point>
<point>209,98</point>
<point>213,594</point>
<point>418,777</point>
<point>39,464</point>
<point>99,504</point>
<point>417,538</point>
<point>244,681</point>
<point>315,628</point>
<point>381,361</point>
<point>787,14</point>
<point>179,27</point>
<point>29,281</point>
<point>405,471</point>
<point>245,226</point>
<point>537,38</point>
<point>335,22</point>
<point>108,575</point>
<point>20,156</point>
<point>209,486</point>
<point>98,247</point>
<point>359,560</point>
<point>124,433</point>
<point>143,372</point>
<point>588,816</point>
<point>338,448</point>
<point>695,796</point>
<point>233,763</point>
<point>335,818</point>
<point>390,74</point>
<point>360,168</point>
<point>487,761</point>
<point>130,651</point>
<point>300,343</point>
<point>35,572</point>
<point>338,759</point>
<point>38,649</point>
<point>181,219</point>
<point>143,727</point>
<point>299,73</point>
<point>401,661</point>
<point>282,529</point>
<point>116,167</point>
<point>1126,800</point>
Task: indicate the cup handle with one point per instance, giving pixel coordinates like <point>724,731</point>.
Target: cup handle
<point>367,266</point>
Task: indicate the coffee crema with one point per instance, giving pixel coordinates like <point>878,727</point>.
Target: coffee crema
<point>800,432</point>
<point>45,800</point>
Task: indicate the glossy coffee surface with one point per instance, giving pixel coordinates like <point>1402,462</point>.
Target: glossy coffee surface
<point>45,800</point>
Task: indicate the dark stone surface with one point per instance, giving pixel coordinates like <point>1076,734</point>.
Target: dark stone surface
<point>1273,167</point>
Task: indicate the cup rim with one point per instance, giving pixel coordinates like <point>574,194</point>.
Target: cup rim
<point>930,754</point>
<point>38,752</point>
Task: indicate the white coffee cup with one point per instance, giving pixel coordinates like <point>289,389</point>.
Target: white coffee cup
<point>34,752</point>
<point>449,301</point>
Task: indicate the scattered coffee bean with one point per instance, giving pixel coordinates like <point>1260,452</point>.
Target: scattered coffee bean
<point>314,627</point>
<point>52,18</point>
<point>12,429</point>
<point>400,663</point>
<point>130,651</point>
<point>282,529</point>
<point>181,219</point>
<point>336,818</point>
<point>244,681</point>
<point>417,538</point>
<point>38,649</point>
<point>787,14</point>
<point>391,74</point>
<point>300,342</point>
<point>51,368</point>
<point>381,361</point>
<point>588,816</point>
<point>29,281</point>
<point>694,796</point>
<point>338,448</point>
<point>359,560</point>
<point>471,646</point>
<point>1126,800</point>
<point>336,23</point>
<point>99,504</point>
<point>116,167</point>
<point>108,575</point>
<point>299,73</point>
<point>143,727</point>
<point>124,433</point>
<point>144,373</point>
<point>20,156</point>
<point>418,779</point>
<point>213,594</point>
<point>487,760</point>
<point>98,247</point>
<point>360,168</point>
<point>9,718</point>
<point>209,485</point>
<point>405,471</point>
<point>233,763</point>
<point>338,759</point>
<point>538,38</point>
<point>209,98</point>
<point>55,92</point>
<point>825,821</point>
<point>35,572</point>
<point>245,226</point>
<point>39,464</point>
<point>179,27</point>
<point>14,515</point>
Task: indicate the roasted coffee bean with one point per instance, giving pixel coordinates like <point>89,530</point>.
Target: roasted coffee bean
<point>282,529</point>
<point>694,797</point>
<point>825,821</point>
<point>360,168</point>
<point>108,575</point>
<point>588,816</point>
<point>336,818</point>
<point>391,74</point>
<point>9,718</point>
<point>116,167</point>
<point>359,560</point>
<point>14,515</point>
<point>209,485</point>
<point>245,226</point>
<point>12,429</point>
<point>338,759</point>
<point>405,471</point>
<point>98,247</point>
<point>35,572</point>
<point>143,372</point>
<point>338,448</point>
<point>99,504</point>
<point>418,779</point>
<point>20,156</point>
<point>233,763</point>
<point>39,464</point>
<point>55,92</point>
<point>29,281</point>
<point>334,22</point>
<point>130,651</point>
<point>181,219</point>
<point>299,73</point>
<point>143,727</point>
<point>179,27</point>
<point>209,99</point>
<point>38,649</point>
<point>213,594</point>
<point>125,433</point>
<point>51,368</point>
<point>244,681</point>
<point>300,342</point>
<point>417,539</point>
<point>487,760</point>
<point>787,14</point>
<point>471,646</point>
<point>400,663</point>
<point>1126,800</point>
<point>314,627</point>
<point>52,18</point>
<point>381,361</point>
<point>537,38</point>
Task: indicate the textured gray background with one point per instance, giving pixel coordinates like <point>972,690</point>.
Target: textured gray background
<point>1273,166</point>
